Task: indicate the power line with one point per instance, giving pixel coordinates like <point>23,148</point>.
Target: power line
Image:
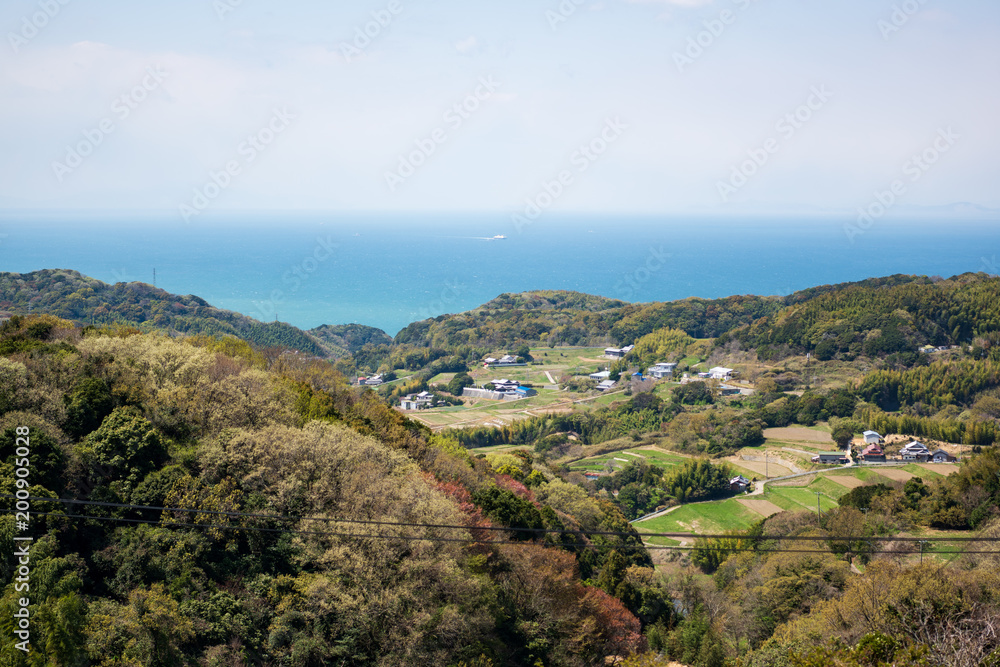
<point>279,517</point>
<point>469,540</point>
<point>536,532</point>
<point>674,535</point>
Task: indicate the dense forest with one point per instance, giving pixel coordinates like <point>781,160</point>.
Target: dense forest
<point>878,317</point>
<point>75,297</point>
<point>306,523</point>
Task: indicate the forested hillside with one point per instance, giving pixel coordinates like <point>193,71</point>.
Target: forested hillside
<point>306,523</point>
<point>343,340</point>
<point>875,318</point>
<point>73,296</point>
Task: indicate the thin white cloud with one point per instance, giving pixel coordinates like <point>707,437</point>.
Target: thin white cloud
<point>675,3</point>
<point>467,45</point>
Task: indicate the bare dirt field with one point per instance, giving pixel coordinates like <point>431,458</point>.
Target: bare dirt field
<point>805,480</point>
<point>895,475</point>
<point>558,410</point>
<point>772,468</point>
<point>846,480</point>
<point>940,468</point>
<point>797,434</point>
<point>799,452</point>
<point>763,507</point>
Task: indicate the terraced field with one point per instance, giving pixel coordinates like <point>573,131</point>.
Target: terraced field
<point>621,458</point>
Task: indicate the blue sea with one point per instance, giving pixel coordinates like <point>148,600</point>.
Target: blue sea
<point>390,270</point>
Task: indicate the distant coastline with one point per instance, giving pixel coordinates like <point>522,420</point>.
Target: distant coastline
<point>309,274</point>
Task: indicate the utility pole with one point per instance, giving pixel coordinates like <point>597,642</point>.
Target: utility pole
<point>818,510</point>
<point>872,579</point>
<point>154,276</point>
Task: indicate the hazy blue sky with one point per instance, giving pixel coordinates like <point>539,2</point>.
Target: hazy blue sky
<point>873,83</point>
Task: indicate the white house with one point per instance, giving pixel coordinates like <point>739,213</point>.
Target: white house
<point>419,401</point>
<point>600,375</point>
<point>720,373</point>
<point>617,352</point>
<point>373,381</point>
<point>915,451</point>
<point>661,370</point>
<point>505,360</point>
<point>607,384</point>
<point>872,438</point>
<point>505,386</point>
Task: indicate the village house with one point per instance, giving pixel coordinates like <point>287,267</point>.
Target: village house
<point>505,386</point>
<point>915,451</point>
<point>873,453</point>
<point>873,438</point>
<point>720,373</point>
<point>505,360</point>
<point>604,386</point>
<point>503,390</point>
<point>420,401</point>
<point>372,381</point>
<point>941,456</point>
<point>739,483</point>
<point>617,352</point>
<point>830,457</point>
<point>600,375</point>
<point>661,370</point>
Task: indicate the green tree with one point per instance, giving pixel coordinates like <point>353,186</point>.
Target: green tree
<point>87,406</point>
<point>128,445</point>
<point>148,630</point>
<point>459,382</point>
<point>507,509</point>
<point>842,435</point>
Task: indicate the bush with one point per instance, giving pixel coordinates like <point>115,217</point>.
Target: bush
<point>693,393</point>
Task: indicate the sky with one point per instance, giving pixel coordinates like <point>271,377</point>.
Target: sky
<point>645,107</point>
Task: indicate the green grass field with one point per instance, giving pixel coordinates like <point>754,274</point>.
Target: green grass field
<point>597,463</point>
<point>729,514</point>
<point>796,498</point>
<point>704,518</point>
<point>922,473</point>
<point>662,458</point>
<point>828,487</point>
